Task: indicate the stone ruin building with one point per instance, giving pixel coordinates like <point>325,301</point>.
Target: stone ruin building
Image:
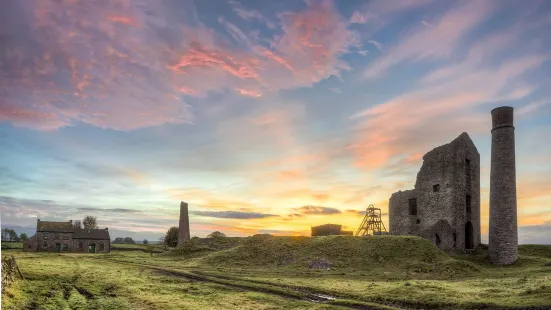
<point>63,237</point>
<point>444,206</point>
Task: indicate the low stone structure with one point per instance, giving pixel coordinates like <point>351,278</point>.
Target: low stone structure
<point>63,237</point>
<point>444,206</point>
<point>326,230</point>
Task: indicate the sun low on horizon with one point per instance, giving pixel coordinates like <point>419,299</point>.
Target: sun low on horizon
<point>264,116</point>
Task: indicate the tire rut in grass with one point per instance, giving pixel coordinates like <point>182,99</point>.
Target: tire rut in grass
<point>268,288</point>
<point>352,301</point>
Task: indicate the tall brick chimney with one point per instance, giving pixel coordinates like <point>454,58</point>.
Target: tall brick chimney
<point>503,234</point>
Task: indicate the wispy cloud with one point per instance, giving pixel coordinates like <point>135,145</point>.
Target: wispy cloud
<point>232,214</point>
<point>378,45</point>
<point>316,210</point>
<point>434,42</point>
<point>447,96</point>
<point>113,210</point>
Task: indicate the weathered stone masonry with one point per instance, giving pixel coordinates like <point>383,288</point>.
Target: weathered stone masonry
<point>183,227</point>
<point>503,234</point>
<point>444,206</point>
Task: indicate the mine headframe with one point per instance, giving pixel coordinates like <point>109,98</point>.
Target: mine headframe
<point>372,223</point>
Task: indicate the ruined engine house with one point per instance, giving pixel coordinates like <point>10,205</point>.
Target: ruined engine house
<point>444,206</point>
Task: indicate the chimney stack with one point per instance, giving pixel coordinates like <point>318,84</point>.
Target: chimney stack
<point>184,223</point>
<point>503,234</point>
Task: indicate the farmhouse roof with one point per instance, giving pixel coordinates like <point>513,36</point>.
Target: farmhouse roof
<point>97,234</point>
<point>54,226</point>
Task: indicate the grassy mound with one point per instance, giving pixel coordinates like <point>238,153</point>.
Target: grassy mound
<point>202,246</point>
<point>411,254</point>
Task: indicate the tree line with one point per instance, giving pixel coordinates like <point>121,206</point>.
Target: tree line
<point>170,239</point>
<point>11,235</point>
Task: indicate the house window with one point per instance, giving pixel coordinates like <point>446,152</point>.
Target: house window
<point>56,237</point>
<point>80,246</point>
<point>468,204</point>
<point>66,237</point>
<point>65,247</point>
<point>101,246</point>
<point>45,237</point>
<point>436,188</point>
<point>413,206</point>
<point>468,174</point>
<point>29,246</point>
<point>45,245</point>
<point>418,221</point>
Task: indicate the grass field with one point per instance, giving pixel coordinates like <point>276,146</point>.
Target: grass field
<point>12,245</point>
<point>262,272</point>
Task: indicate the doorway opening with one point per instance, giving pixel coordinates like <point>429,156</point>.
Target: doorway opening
<point>92,248</point>
<point>469,238</point>
<point>437,240</point>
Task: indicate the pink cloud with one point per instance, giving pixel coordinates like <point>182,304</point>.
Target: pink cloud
<point>199,58</point>
<point>92,64</point>
<point>359,18</point>
<point>249,92</point>
<point>279,60</point>
<point>123,20</point>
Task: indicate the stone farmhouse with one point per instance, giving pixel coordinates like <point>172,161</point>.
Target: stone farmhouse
<point>444,206</point>
<point>63,237</point>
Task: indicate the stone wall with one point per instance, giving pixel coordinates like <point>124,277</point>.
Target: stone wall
<point>46,241</point>
<point>82,245</point>
<point>30,244</point>
<point>10,271</point>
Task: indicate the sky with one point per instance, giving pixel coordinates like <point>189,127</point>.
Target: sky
<point>265,116</point>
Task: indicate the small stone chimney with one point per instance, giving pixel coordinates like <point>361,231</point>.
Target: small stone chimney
<point>184,223</point>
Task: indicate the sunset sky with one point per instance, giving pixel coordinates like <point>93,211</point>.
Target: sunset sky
<point>265,116</point>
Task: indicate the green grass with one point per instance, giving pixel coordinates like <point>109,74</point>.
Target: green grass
<point>383,272</point>
<point>12,245</point>
<point>128,246</point>
<point>78,281</point>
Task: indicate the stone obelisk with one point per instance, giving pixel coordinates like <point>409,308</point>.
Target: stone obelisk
<point>503,235</point>
<point>184,223</point>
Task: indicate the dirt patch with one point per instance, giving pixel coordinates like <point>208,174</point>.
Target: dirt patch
<point>320,264</point>
<point>84,292</point>
<point>33,305</point>
<point>66,292</point>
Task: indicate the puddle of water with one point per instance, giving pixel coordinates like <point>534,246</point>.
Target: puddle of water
<point>324,297</point>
